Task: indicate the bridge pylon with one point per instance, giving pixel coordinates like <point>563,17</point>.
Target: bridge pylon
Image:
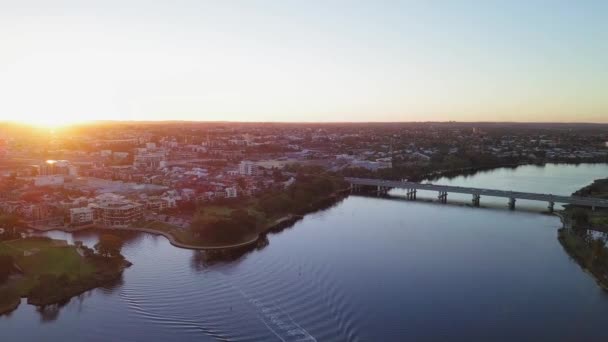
<point>476,200</point>
<point>512,203</point>
<point>443,197</point>
<point>382,190</point>
<point>411,194</point>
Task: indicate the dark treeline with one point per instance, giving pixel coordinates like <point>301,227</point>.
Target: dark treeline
<point>589,250</point>
<point>246,217</point>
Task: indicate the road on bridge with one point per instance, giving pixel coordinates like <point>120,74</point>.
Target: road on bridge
<point>512,195</point>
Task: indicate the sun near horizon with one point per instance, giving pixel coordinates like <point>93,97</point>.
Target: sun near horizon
<point>50,123</point>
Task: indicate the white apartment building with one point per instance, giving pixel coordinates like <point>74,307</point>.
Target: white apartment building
<point>248,168</point>
<point>153,160</point>
<point>81,215</point>
<point>117,214</point>
<point>231,192</point>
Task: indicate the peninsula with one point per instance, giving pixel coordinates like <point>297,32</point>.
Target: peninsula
<point>47,271</point>
<point>236,222</point>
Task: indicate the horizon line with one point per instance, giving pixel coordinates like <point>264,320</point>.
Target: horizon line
<point>92,122</point>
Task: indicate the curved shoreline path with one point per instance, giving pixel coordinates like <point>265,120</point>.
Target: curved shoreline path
<point>176,243</point>
<point>287,219</point>
<point>171,238</point>
<point>168,236</point>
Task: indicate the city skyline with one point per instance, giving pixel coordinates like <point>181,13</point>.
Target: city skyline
<point>313,62</point>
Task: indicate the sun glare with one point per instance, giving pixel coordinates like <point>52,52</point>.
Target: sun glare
<point>50,122</point>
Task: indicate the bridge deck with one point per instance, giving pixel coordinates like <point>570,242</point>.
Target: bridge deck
<point>586,201</point>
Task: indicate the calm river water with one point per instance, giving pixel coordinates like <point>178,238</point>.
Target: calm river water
<point>367,269</point>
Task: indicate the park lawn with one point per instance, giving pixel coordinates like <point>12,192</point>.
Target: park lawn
<point>599,219</point>
<point>8,250</point>
<point>58,261</point>
<point>16,248</point>
<point>51,271</point>
<point>48,257</point>
<point>216,210</point>
<point>26,244</point>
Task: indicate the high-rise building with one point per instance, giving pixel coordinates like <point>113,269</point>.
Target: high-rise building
<point>248,168</point>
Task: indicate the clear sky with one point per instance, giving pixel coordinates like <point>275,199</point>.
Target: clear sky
<point>288,60</point>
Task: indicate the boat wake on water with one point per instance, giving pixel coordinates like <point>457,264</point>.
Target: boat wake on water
<point>277,321</point>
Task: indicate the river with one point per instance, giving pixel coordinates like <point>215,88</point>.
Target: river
<point>366,269</point>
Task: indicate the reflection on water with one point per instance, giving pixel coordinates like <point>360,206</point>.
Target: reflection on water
<point>367,269</point>
<point>49,313</point>
<point>203,259</point>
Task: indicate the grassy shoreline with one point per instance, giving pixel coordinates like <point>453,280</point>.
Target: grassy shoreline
<point>175,235</point>
<point>47,271</point>
<point>579,251</point>
<point>9,304</point>
<point>577,238</point>
<point>273,224</point>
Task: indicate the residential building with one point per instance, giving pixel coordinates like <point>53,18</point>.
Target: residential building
<point>117,214</point>
<point>231,192</point>
<point>248,168</point>
<point>80,216</point>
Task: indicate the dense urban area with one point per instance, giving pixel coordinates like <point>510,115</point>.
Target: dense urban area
<point>166,175</point>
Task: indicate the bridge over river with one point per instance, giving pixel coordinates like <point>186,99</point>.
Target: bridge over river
<point>382,186</point>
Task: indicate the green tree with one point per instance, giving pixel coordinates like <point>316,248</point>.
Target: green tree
<point>598,250</point>
<point>9,221</point>
<point>6,267</point>
<point>109,245</point>
<point>241,182</point>
<point>275,204</point>
<point>580,216</point>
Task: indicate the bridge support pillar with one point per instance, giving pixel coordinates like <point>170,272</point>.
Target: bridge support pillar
<point>551,206</point>
<point>411,194</point>
<point>443,197</point>
<point>476,200</point>
<point>382,190</point>
<point>512,203</point>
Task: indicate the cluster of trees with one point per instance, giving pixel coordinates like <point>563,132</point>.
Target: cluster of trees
<point>223,228</point>
<point>8,297</point>
<point>580,216</point>
<point>443,162</point>
<point>589,249</point>
<point>109,246</point>
<point>300,196</point>
<point>49,286</point>
<point>245,216</point>
<point>11,225</point>
<point>599,188</point>
<point>6,267</point>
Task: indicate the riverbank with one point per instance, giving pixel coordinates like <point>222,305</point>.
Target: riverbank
<point>8,304</point>
<point>433,175</point>
<point>589,254</point>
<point>577,235</point>
<point>173,234</point>
<point>47,271</point>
